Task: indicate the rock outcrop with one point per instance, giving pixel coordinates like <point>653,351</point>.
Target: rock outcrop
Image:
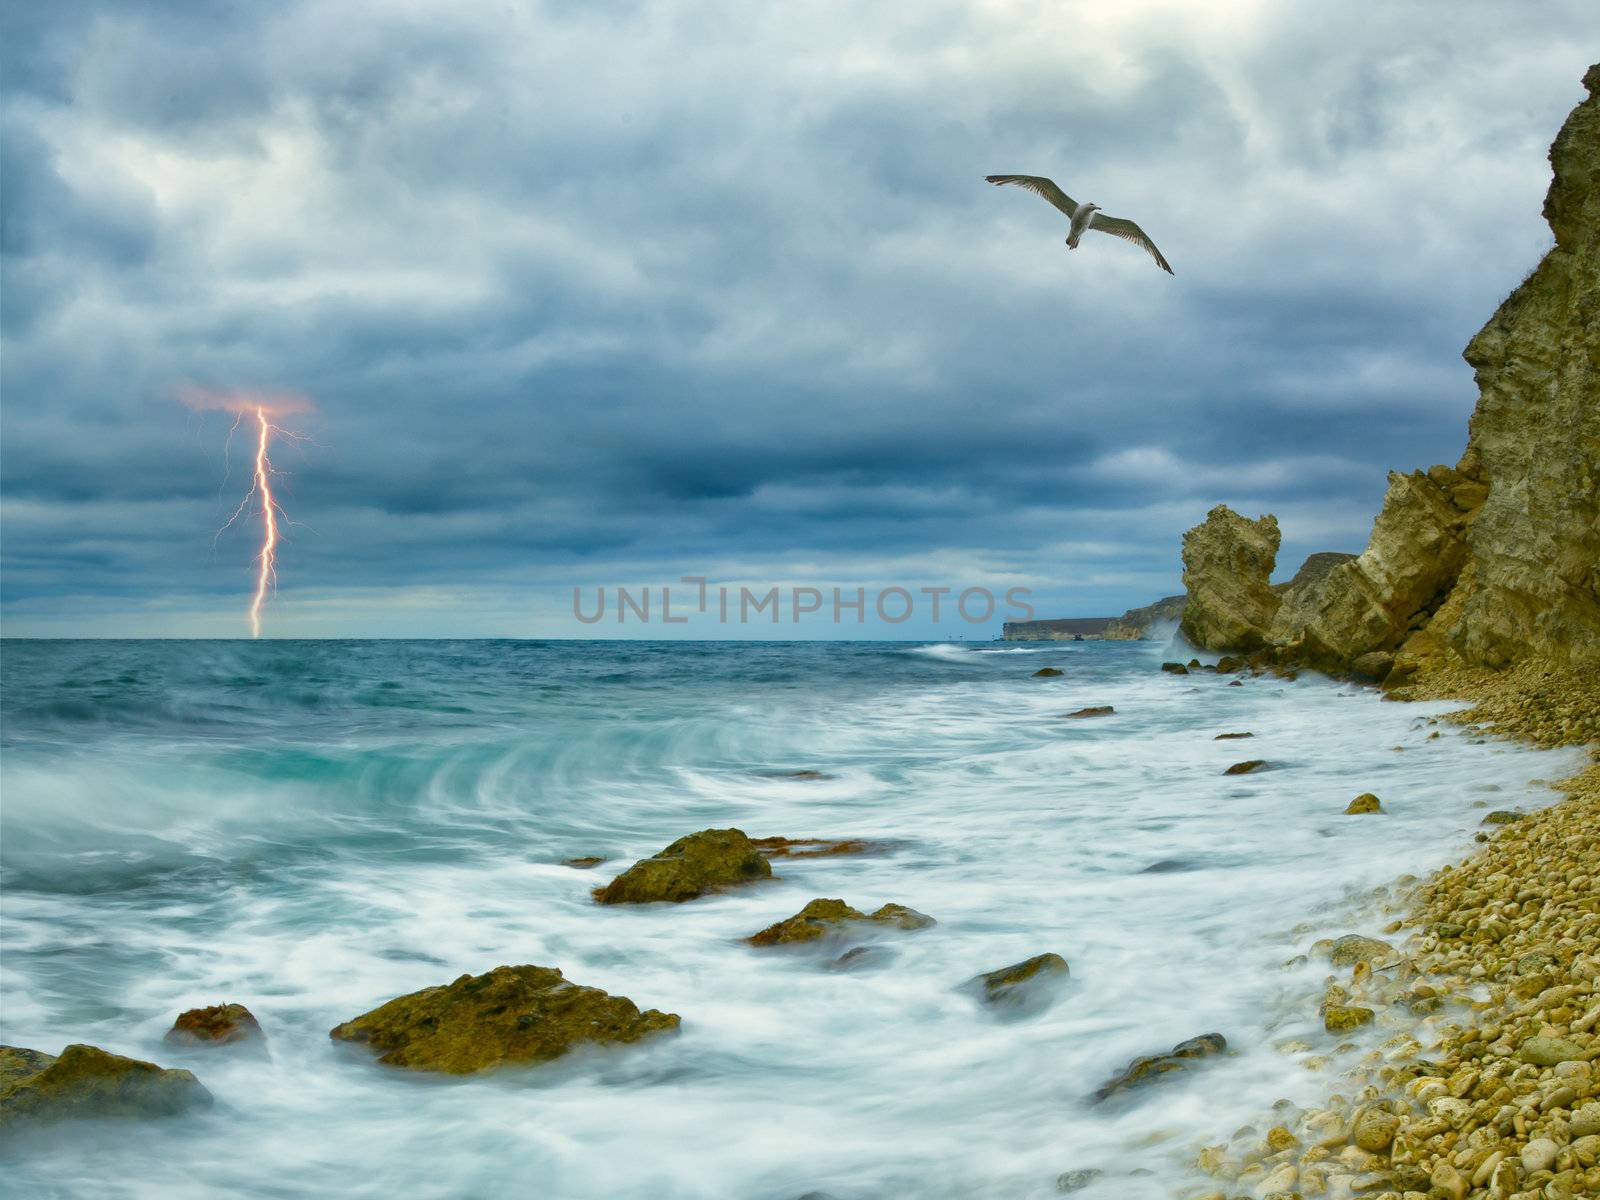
<point>1227,568</point>
<point>86,1081</point>
<point>1153,620</point>
<point>825,918</point>
<point>702,862</point>
<point>508,1016</point>
<point>1491,563</point>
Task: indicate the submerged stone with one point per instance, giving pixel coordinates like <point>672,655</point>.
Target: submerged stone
<point>1142,1072</point>
<point>507,1016</point>
<point>1047,673</point>
<point>1364,803</point>
<point>1227,737</point>
<point>1094,710</point>
<point>1025,986</point>
<point>1076,1181</point>
<point>783,847</point>
<point>820,918</point>
<point>692,866</point>
<point>217,1025</point>
<point>86,1081</point>
<point>1248,767</point>
<point>583,862</point>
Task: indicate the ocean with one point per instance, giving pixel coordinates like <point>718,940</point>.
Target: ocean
<point>312,828</point>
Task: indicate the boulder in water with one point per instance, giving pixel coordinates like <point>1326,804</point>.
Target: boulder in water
<point>217,1025</point>
<point>1353,948</point>
<point>1249,767</point>
<point>702,862</point>
<point>1094,710</point>
<point>1364,803</point>
<point>507,1016</point>
<point>1023,987</point>
<point>822,918</point>
<point>86,1081</point>
<point>1142,1072</point>
<point>1046,673</point>
<point>1174,668</point>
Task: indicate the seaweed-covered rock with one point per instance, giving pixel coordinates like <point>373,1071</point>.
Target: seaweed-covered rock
<point>1142,1072</point>
<point>217,1025</point>
<point>508,1016</point>
<point>1249,767</point>
<point>86,1081</point>
<point>1026,986</point>
<point>821,918</point>
<point>692,866</point>
<point>1364,803</point>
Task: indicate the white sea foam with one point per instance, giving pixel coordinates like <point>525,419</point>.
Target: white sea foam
<point>314,898</point>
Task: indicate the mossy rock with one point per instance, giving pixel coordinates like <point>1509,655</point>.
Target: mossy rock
<point>1364,803</point>
<point>1351,949</point>
<point>1502,817</point>
<point>508,1016</point>
<point>823,918</point>
<point>1047,673</point>
<point>1338,1018</point>
<point>1142,1072</point>
<point>702,862</point>
<point>216,1025</point>
<point>86,1081</point>
<point>1249,767</point>
<point>1027,986</point>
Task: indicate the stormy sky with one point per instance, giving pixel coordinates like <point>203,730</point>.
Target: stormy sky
<point>601,293</point>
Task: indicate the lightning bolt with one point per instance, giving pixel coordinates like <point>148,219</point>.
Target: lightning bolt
<point>260,497</point>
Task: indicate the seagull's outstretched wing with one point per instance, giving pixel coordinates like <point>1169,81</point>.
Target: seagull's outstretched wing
<point>1039,186</point>
<point>1128,231</point>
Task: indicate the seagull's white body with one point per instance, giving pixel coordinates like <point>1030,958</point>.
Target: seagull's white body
<point>1084,216</point>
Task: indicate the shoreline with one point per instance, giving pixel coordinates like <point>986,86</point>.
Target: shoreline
<point>1489,1083</point>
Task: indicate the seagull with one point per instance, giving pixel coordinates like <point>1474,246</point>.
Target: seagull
<point>1083,216</point>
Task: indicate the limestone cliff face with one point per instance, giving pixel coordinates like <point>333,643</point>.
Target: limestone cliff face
<point>1227,563</point>
<point>1149,621</point>
<point>1494,561</point>
<point>1535,437</point>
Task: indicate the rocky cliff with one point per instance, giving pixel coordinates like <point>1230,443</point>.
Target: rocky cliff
<point>1153,620</point>
<point>1490,563</point>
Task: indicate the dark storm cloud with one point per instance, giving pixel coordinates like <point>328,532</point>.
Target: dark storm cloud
<point>584,290</point>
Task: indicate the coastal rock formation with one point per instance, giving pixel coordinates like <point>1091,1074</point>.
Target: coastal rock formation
<point>1227,565</point>
<point>1022,987</point>
<point>692,866</point>
<point>1153,620</point>
<point>510,1015</point>
<point>820,918</point>
<point>86,1081</point>
<point>1142,1072</point>
<point>1487,564</point>
<point>217,1025</point>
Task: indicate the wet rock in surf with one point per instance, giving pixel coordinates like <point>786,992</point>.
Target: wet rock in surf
<point>216,1025</point>
<point>1501,816</point>
<point>1351,949</point>
<point>1174,668</point>
<point>583,862</point>
<point>1023,987</point>
<point>702,862</point>
<point>1076,1181</point>
<point>783,847</point>
<point>1142,1072</point>
<point>1094,710</point>
<point>508,1016</point>
<point>863,958</point>
<point>1225,737</point>
<point>86,1081</point>
<point>822,918</point>
<point>1046,673</point>
<point>1364,803</point>
<point>1248,767</point>
<point>1340,1018</point>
